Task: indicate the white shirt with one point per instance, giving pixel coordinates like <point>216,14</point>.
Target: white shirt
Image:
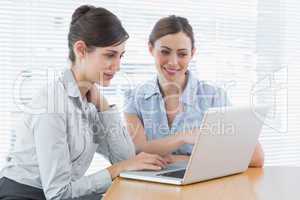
<point>56,143</point>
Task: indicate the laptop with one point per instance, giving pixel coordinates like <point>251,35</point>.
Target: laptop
<point>224,146</point>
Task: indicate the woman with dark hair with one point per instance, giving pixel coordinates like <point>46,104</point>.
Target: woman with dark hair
<point>55,147</point>
<point>162,113</point>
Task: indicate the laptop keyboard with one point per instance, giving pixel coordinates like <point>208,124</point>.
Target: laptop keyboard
<point>174,174</point>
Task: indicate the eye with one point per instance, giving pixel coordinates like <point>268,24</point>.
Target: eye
<point>164,52</point>
<point>110,55</point>
<point>182,55</point>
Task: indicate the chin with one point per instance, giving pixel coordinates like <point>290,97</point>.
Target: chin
<point>168,77</point>
<point>106,83</point>
<point>103,83</point>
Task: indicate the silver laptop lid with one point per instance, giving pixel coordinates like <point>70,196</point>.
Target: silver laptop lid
<point>226,142</point>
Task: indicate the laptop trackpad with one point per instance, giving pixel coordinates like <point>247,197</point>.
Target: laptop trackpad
<point>174,174</point>
<point>175,170</point>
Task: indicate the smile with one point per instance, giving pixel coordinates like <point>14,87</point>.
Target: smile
<point>108,76</point>
<point>169,71</point>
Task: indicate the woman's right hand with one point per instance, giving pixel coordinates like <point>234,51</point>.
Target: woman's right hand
<point>188,137</point>
<point>95,97</point>
<point>146,161</point>
<point>142,161</point>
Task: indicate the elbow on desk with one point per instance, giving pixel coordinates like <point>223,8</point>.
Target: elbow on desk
<point>258,161</point>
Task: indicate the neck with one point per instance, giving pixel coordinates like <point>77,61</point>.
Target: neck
<point>172,87</point>
<point>83,84</point>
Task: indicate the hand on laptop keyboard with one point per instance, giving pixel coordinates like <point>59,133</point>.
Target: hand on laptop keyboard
<point>176,158</point>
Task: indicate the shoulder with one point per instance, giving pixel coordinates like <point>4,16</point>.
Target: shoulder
<point>140,91</point>
<point>49,97</point>
<point>208,88</point>
<point>212,94</point>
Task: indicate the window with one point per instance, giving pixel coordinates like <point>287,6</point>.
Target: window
<point>247,47</point>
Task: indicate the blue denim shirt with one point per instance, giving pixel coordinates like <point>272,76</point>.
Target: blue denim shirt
<point>146,101</point>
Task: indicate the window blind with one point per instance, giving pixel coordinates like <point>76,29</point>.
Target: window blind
<point>248,47</point>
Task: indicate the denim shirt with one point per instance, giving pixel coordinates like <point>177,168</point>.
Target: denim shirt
<point>57,140</point>
<point>146,102</point>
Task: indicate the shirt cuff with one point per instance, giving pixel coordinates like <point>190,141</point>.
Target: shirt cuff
<point>101,181</point>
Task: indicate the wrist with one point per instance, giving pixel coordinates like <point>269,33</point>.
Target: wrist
<point>116,169</point>
<point>180,140</point>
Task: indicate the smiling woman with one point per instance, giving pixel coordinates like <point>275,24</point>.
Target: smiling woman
<point>175,99</point>
<point>54,148</point>
<point>172,43</point>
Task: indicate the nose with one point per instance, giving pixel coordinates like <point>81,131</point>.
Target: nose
<point>115,65</point>
<point>173,60</point>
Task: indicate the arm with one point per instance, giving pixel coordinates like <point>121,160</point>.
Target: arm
<point>113,139</point>
<point>162,146</point>
<point>55,165</point>
<point>115,142</point>
<point>257,159</point>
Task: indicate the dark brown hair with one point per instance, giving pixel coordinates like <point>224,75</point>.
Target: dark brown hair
<point>97,27</point>
<point>171,25</point>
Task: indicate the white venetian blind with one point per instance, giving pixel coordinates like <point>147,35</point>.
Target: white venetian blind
<point>240,44</point>
<point>278,42</point>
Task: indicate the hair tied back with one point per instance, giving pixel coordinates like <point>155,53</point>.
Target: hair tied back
<point>80,12</point>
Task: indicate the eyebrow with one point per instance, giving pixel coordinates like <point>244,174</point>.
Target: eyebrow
<point>113,51</point>
<point>171,49</point>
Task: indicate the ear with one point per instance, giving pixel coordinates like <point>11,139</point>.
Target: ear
<point>79,49</point>
<point>150,48</point>
<point>193,52</point>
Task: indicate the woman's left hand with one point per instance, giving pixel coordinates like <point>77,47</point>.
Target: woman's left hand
<point>175,158</point>
<point>94,96</point>
<point>188,137</point>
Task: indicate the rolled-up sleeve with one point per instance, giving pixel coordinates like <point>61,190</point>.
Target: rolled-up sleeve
<point>114,140</point>
<point>55,164</point>
<point>220,98</point>
<point>130,103</point>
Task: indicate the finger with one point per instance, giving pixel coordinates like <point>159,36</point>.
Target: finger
<point>143,155</point>
<point>154,161</point>
<point>168,159</point>
<point>160,158</point>
<point>150,167</point>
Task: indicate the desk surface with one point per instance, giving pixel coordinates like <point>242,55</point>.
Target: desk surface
<point>269,183</point>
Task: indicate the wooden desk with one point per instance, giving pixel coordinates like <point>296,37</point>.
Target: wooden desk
<point>269,183</point>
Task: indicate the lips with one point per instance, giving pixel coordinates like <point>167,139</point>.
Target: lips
<point>170,71</point>
<point>108,76</point>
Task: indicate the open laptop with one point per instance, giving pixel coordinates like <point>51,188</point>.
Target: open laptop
<point>225,144</point>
